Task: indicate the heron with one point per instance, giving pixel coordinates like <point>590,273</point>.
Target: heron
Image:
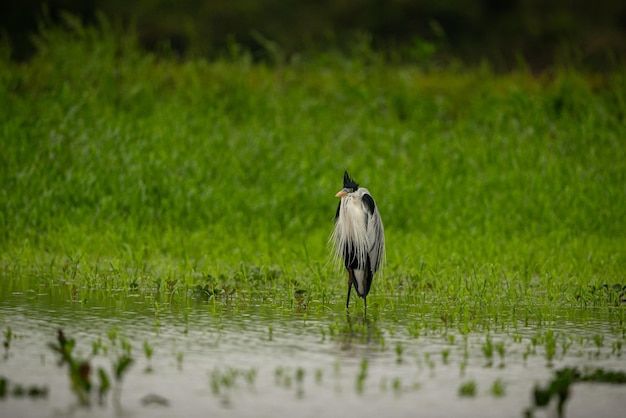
<point>358,237</point>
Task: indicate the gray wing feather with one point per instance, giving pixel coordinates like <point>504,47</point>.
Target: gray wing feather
<point>375,231</point>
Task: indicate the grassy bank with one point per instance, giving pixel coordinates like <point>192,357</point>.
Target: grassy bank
<point>123,167</point>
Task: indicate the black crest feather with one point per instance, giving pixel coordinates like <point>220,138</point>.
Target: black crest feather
<point>348,183</point>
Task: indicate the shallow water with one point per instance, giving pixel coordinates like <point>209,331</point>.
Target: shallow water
<point>290,361</point>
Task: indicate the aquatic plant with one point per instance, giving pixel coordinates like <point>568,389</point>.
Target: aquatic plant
<point>488,349</point>
<point>501,350</point>
<point>399,351</point>
<point>498,388</point>
<point>79,370</point>
<point>8,388</point>
<point>550,341</point>
<point>8,336</point>
<point>468,388</point>
<point>559,387</point>
<point>362,376</point>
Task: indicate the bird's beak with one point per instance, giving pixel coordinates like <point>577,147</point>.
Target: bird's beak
<point>342,193</point>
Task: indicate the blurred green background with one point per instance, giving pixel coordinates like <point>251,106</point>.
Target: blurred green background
<point>504,32</point>
<point>194,136</point>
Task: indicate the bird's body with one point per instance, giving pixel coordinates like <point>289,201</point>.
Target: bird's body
<point>358,237</point>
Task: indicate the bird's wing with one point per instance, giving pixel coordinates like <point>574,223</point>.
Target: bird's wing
<point>375,232</point>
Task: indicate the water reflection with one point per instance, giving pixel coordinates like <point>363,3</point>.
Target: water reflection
<point>227,358</point>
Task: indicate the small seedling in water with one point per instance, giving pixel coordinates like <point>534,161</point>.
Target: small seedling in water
<point>278,374</point>
<point>8,336</point>
<point>414,329</point>
<point>497,389</point>
<point>501,351</point>
<point>429,362</point>
<point>270,331</point>
<point>462,367</point>
<point>468,389</point>
<point>179,360</point>
<point>250,376</point>
<point>96,347</point>
<point>318,376</point>
<point>566,344</point>
<point>282,377</point>
<point>3,387</point>
<point>396,384</point>
<point>113,334</point>
<point>186,320</point>
<point>534,341</point>
<point>300,382</point>
<point>80,370</point>
<point>488,350</point>
<point>550,342</point>
<point>19,390</point>
<point>360,379</point>
<point>598,339</point>
<point>399,351</point>
<point>444,355</point>
<point>617,348</point>
<point>300,375</point>
<point>148,350</point>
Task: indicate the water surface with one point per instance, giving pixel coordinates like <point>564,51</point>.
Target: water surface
<point>290,360</point>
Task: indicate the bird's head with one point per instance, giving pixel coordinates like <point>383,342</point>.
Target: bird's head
<point>349,186</point>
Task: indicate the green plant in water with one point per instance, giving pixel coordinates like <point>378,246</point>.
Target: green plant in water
<point>498,389</point>
<point>616,348</point>
<point>445,354</point>
<point>468,389</point>
<point>79,369</point>
<point>360,378</point>
<point>559,387</point>
<point>299,382</point>
<point>487,348</point>
<point>399,351</point>
<point>8,336</point>
<point>318,376</point>
<point>18,390</point>
<point>500,348</point>
<point>148,351</point>
<point>566,344</point>
<point>223,380</point>
<point>429,362</point>
<point>396,384</point>
<point>598,340</point>
<point>462,368</point>
<point>550,346</point>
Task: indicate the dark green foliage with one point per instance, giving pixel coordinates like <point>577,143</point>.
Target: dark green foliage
<point>425,31</point>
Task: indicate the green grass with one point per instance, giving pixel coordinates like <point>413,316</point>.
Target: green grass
<point>124,169</point>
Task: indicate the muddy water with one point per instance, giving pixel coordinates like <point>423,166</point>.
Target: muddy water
<point>231,359</point>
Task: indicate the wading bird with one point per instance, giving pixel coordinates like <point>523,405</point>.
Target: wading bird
<point>358,237</point>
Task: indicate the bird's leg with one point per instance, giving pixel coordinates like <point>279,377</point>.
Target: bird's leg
<point>349,288</point>
<point>348,298</point>
<point>365,306</point>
